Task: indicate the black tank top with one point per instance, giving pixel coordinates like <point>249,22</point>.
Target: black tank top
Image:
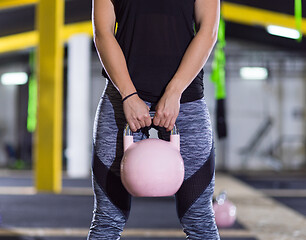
<point>154,35</point>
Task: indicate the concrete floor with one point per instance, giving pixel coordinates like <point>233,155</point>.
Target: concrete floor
<point>269,206</point>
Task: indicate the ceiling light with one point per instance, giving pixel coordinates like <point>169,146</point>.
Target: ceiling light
<point>283,31</point>
<point>16,78</point>
<point>253,73</point>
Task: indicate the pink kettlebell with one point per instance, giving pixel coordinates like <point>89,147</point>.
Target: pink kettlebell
<point>225,211</point>
<point>152,167</point>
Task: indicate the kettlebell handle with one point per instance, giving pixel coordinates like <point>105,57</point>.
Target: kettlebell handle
<point>128,131</point>
<point>128,135</point>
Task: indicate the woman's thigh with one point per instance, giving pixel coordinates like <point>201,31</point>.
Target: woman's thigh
<point>197,150</point>
<point>196,134</point>
<point>108,149</point>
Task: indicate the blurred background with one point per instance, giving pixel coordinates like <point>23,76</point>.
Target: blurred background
<point>50,86</point>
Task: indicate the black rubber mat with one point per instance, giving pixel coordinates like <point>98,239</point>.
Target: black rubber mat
<point>75,211</point>
<point>275,181</point>
<point>46,210</point>
<point>157,212</point>
<point>29,182</point>
<point>280,181</point>
<point>296,203</point>
<point>153,212</point>
<point>16,182</point>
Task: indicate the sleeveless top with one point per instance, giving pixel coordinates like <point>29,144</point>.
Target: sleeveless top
<point>154,35</point>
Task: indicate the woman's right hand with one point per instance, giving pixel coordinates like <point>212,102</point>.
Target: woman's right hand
<point>136,113</point>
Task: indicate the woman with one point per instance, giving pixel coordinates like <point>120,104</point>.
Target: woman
<point>153,61</point>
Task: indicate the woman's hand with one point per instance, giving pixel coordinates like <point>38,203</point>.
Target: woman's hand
<point>167,110</point>
<point>136,113</point>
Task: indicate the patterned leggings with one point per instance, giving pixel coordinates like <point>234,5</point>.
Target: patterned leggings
<point>193,200</point>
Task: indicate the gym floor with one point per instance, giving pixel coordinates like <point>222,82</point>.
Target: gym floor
<point>270,205</point>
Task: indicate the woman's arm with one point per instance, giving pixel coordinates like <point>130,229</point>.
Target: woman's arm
<point>207,15</point>
<point>112,58</point>
<point>108,49</point>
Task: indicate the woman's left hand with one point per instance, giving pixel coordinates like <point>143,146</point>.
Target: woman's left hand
<point>167,110</point>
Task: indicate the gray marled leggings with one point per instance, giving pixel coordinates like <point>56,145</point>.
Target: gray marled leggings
<point>194,199</point>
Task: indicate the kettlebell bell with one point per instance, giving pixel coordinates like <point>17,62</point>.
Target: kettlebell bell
<point>225,211</point>
<point>152,167</point>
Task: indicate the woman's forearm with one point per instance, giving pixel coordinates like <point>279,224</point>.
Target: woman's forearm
<point>193,61</point>
<point>113,59</point>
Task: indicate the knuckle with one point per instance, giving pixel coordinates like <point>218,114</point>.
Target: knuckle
<point>131,119</point>
<point>166,114</point>
<point>158,113</point>
<point>143,117</point>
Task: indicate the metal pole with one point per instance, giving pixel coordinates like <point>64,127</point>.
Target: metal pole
<point>48,137</point>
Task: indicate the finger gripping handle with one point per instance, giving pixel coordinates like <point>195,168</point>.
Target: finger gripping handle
<point>128,131</point>
<point>128,135</point>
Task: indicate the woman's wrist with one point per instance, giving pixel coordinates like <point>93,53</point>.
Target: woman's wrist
<point>126,89</point>
<point>173,90</point>
<point>176,86</point>
<point>130,95</point>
